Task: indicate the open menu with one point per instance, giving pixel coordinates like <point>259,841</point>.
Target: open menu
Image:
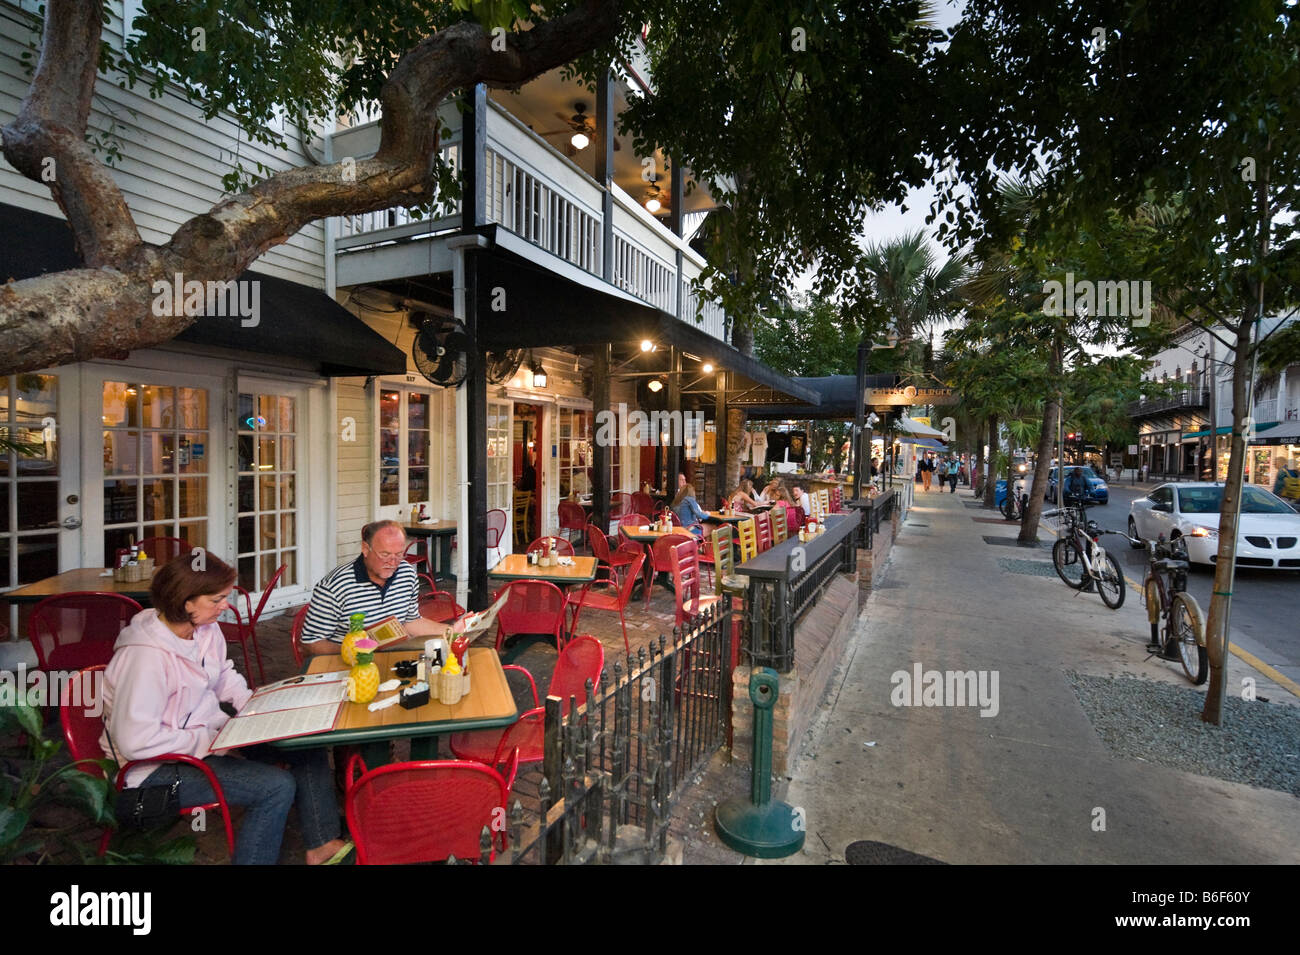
<point>297,706</point>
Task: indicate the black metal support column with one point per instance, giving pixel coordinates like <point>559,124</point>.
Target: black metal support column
<point>474,159</point>
<point>864,349</point>
<point>675,439</point>
<point>601,451</point>
<point>476,446</point>
<point>720,426</point>
<point>605,172</point>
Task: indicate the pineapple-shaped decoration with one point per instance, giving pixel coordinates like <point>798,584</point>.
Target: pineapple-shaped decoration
<point>356,631</point>
<point>363,681</point>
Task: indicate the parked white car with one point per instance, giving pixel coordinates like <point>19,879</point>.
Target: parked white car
<point>1268,529</point>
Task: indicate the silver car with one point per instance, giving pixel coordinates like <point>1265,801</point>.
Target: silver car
<point>1268,529</point>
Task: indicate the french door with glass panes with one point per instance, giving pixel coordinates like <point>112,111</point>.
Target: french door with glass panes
<point>154,453</point>
<point>500,468</point>
<point>270,420</point>
<point>410,426</point>
<point>40,478</point>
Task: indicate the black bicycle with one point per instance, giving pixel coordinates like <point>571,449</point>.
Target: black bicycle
<point>1080,560</point>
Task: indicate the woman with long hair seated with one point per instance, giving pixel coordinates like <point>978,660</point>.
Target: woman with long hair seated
<point>688,509</point>
<point>170,689</point>
<point>742,498</point>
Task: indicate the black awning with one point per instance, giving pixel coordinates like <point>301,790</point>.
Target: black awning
<point>839,396</point>
<point>523,304</point>
<point>295,319</point>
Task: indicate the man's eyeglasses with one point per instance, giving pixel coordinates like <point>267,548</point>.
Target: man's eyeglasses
<point>387,558</point>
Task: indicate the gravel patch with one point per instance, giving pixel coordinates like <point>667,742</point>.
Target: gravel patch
<point>1258,743</point>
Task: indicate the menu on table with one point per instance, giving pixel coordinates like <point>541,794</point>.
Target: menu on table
<point>296,706</point>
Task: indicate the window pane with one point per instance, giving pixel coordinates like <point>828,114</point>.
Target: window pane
<point>417,411</point>
<point>119,502</point>
<point>246,540</point>
<point>119,403</point>
<point>115,538</point>
<point>246,499</point>
<point>266,495</point>
<point>157,407</point>
<point>191,408</point>
<point>247,578</point>
<point>244,420</point>
<point>5,577</point>
<point>245,452</point>
<point>290,560</point>
<point>193,497</point>
<point>195,533</point>
<point>157,499</point>
<point>159,449</point>
<point>388,448</point>
<point>4,527</point>
<point>287,462</point>
<point>192,456</point>
<point>269,562</point>
<point>286,413</point>
<point>120,451</point>
<point>36,397</point>
<point>266,538</point>
<point>417,485</point>
<point>417,447</point>
<point>265,454</point>
<point>388,486</point>
<point>286,492</point>
<point>287,530</point>
<point>268,410</point>
<point>38,503</point>
<point>38,557</point>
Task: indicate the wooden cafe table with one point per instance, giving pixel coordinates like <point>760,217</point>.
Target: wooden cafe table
<point>488,705</point>
<point>74,581</point>
<point>443,532</point>
<point>517,567</point>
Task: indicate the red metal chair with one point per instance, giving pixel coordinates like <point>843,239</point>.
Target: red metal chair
<point>496,530</point>
<point>686,582</point>
<point>243,633</point>
<point>615,560</point>
<point>660,559</point>
<point>581,660</point>
<point>705,556</point>
<point>295,634</point>
<point>763,526</point>
<point>634,519</point>
<point>615,600</point>
<point>643,503</point>
<point>534,606</point>
<point>426,811</point>
<point>837,499</point>
<point>77,630</point>
<point>620,504</point>
<point>573,518</point>
<point>558,546</point>
<point>440,607</point>
<point>417,558</point>
<point>81,733</point>
<point>164,549</point>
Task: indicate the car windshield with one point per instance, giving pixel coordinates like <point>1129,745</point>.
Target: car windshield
<point>1206,500</point>
<point>1087,472</point>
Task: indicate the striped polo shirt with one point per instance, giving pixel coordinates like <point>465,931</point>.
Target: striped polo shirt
<point>348,589</point>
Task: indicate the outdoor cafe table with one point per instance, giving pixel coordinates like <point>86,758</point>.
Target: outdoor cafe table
<point>717,517</point>
<point>444,532</point>
<point>488,705</point>
<point>648,538</point>
<point>75,581</point>
<point>517,567</point>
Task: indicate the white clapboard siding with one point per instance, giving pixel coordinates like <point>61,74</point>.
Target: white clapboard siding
<point>355,469</point>
<point>173,159</point>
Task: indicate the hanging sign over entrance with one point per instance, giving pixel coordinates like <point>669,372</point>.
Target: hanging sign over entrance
<point>911,395</point>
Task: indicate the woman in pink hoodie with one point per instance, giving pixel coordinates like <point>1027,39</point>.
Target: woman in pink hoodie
<point>170,689</point>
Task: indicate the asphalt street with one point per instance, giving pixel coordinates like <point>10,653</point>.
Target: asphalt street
<point>1265,604</point>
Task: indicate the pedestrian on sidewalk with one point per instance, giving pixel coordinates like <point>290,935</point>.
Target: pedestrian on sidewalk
<point>927,471</point>
<point>953,467</point>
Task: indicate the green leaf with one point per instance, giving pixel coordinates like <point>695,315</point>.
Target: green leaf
<point>12,823</point>
<point>87,793</point>
<point>29,718</point>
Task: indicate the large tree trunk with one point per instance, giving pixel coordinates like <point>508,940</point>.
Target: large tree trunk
<point>1046,437</point>
<point>1216,620</point>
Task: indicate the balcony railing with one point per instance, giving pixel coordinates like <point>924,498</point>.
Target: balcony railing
<point>538,194</point>
<point>1192,398</point>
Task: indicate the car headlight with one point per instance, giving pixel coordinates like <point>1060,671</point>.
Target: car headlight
<point>1203,532</point>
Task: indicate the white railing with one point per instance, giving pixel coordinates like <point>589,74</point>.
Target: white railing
<point>643,275</point>
<point>532,209</point>
<point>1265,411</point>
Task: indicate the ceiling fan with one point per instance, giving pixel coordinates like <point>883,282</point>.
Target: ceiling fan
<point>581,129</point>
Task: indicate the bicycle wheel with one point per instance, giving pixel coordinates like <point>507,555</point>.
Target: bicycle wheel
<point>1187,626</point>
<point>1009,509</point>
<point>1111,583</point>
<point>1068,564</point>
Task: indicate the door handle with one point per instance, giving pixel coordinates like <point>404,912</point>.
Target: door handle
<point>70,523</point>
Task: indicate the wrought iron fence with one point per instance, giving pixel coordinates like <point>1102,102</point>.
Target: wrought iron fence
<point>614,766</point>
<point>874,511</point>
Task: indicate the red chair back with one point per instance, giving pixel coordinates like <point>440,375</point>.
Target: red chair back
<point>763,524</point>
<point>80,731</point>
<point>572,517</point>
<point>837,497</point>
<point>620,504</point>
<point>295,634</point>
<point>661,556</point>
<point>534,606</point>
<point>78,630</point>
<point>685,565</point>
<point>643,503</point>
<point>633,519</point>
<point>425,811</point>
<point>581,660</point>
<point>599,543</point>
<point>795,518</point>
<point>440,607</point>
<point>629,580</point>
<point>164,549</point>
<point>496,527</point>
<point>558,546</point>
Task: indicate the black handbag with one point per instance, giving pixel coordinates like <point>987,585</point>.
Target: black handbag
<point>149,807</point>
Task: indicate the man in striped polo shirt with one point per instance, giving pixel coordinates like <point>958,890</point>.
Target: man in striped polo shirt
<point>379,583</point>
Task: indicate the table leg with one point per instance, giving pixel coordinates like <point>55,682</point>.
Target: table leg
<point>424,747</point>
<point>444,558</point>
<point>378,753</point>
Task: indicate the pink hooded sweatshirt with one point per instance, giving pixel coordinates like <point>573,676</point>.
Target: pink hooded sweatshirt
<point>158,701</point>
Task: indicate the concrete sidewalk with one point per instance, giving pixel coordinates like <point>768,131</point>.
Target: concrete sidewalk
<point>1034,783</point>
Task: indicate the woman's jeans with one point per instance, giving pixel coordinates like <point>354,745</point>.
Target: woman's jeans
<point>266,792</point>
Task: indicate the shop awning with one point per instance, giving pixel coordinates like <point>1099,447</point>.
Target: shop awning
<point>913,427</point>
<point>295,320</point>
<point>928,444</point>
<point>1227,429</point>
<point>1282,432</point>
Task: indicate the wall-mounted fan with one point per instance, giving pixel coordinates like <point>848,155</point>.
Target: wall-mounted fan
<point>441,349</point>
<point>579,124</point>
<point>502,365</point>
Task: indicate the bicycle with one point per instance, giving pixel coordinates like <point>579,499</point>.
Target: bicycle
<point>1080,560</point>
<point>1013,504</point>
<point>1183,637</point>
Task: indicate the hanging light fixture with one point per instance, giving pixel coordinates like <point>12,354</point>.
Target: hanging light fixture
<point>647,345</point>
<point>579,141</point>
<point>652,198</point>
<point>539,373</point>
<point>655,385</point>
<point>708,367</point>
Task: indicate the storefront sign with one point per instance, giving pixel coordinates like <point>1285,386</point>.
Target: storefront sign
<point>911,395</point>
